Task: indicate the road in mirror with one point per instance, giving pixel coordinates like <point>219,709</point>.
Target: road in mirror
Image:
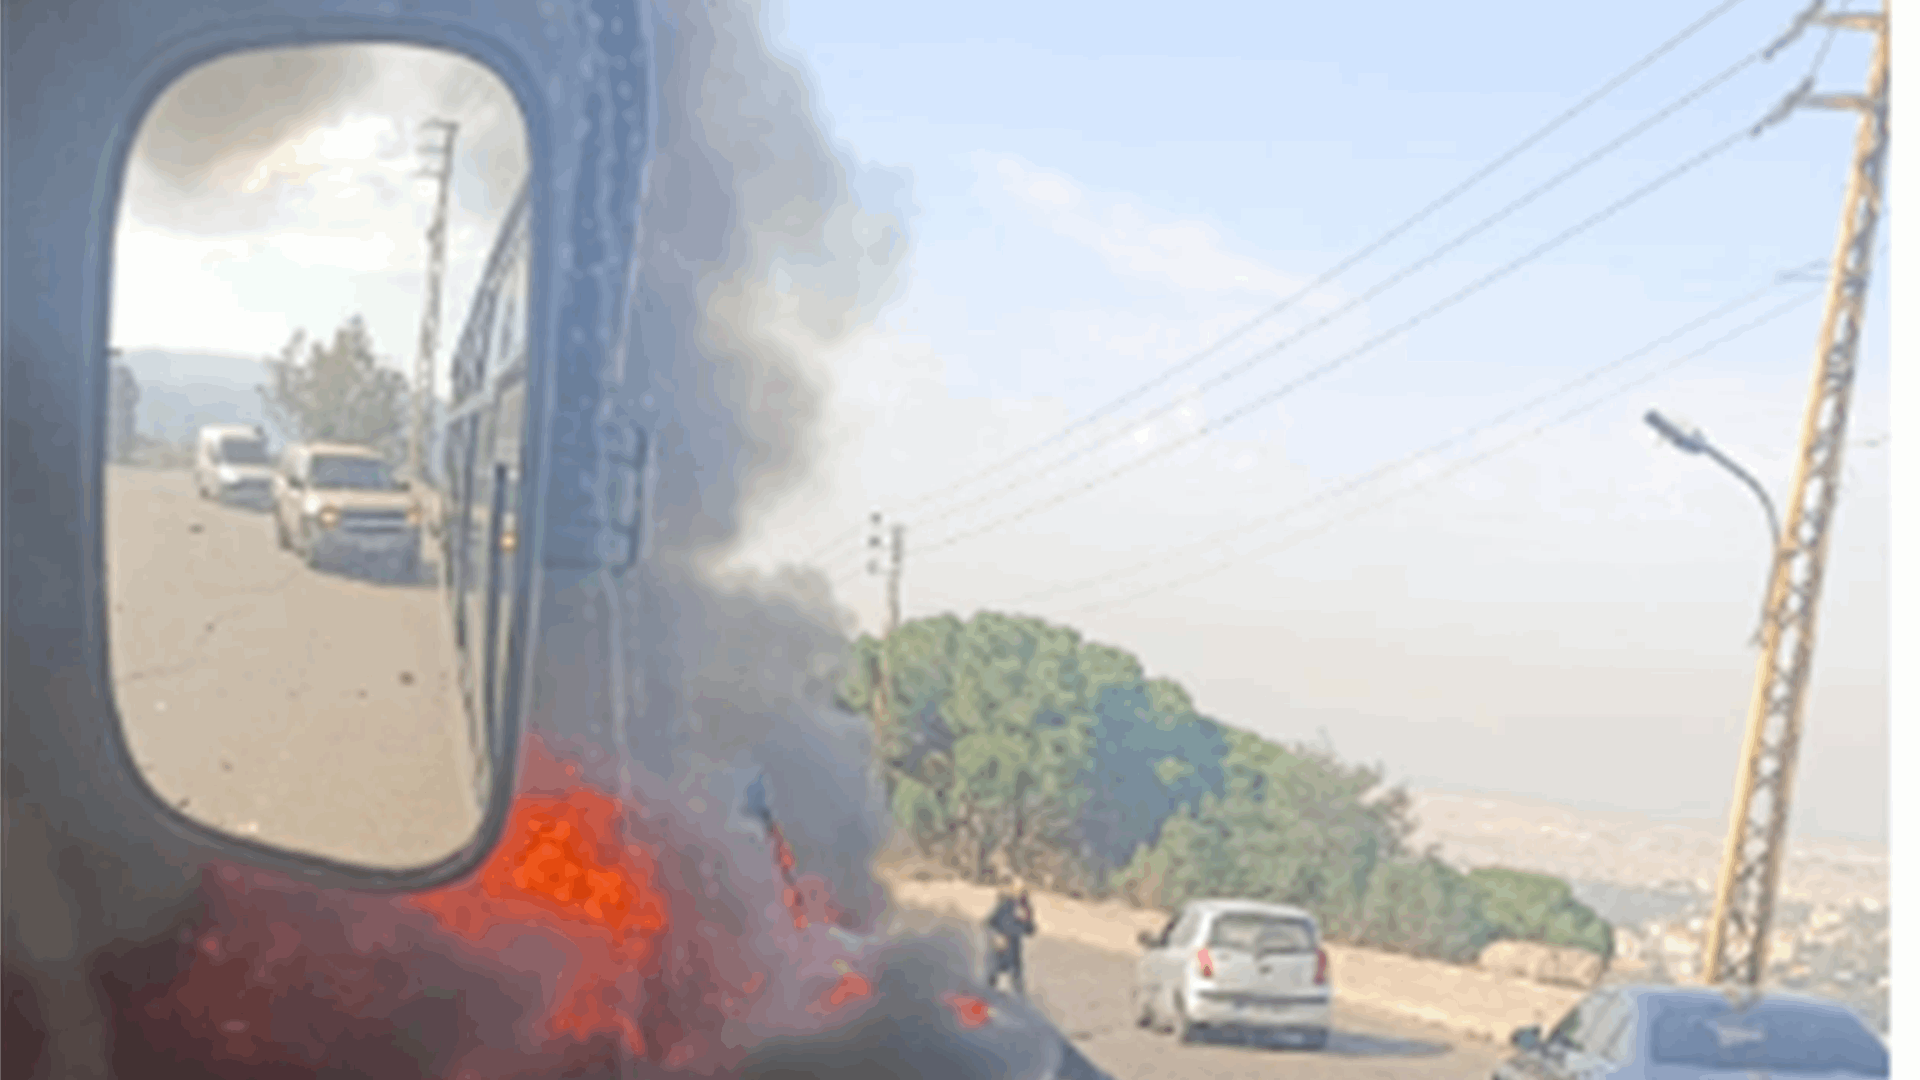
<point>282,645</point>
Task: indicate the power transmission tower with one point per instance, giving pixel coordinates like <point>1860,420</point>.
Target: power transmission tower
<point>1736,946</point>
<point>440,169</point>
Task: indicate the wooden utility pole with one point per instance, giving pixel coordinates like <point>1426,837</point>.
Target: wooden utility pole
<point>440,170</point>
<point>896,556</point>
<point>1736,946</point>
<point>891,564</point>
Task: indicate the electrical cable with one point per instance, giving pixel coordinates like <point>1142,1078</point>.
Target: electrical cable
<point>1432,257</point>
<point>1455,439</point>
<point>1462,466</point>
<point>1356,257</point>
<point>1375,342</point>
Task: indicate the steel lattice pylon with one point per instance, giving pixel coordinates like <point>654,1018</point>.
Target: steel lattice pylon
<point>1736,946</point>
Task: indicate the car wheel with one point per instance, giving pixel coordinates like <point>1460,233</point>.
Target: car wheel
<point>311,552</point>
<point>280,533</point>
<point>1183,1026</point>
<point>410,568</point>
<point>1161,1010</point>
<point>1316,1039</point>
<point>1142,1008</point>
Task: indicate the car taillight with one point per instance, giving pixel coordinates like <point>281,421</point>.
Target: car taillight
<point>1205,960</point>
<point>1320,969</point>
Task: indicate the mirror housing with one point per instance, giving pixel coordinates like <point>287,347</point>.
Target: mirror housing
<point>1527,1038</point>
<point>64,172</point>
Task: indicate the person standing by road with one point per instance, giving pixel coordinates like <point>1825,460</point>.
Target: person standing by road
<point>1010,923</point>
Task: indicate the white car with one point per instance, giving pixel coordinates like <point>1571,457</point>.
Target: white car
<point>230,465</point>
<point>1237,965</point>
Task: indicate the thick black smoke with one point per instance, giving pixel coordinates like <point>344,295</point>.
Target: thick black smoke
<point>756,253</point>
<point>756,256</point>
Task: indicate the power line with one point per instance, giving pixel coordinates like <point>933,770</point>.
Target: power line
<point>1268,398</point>
<point>1447,443</point>
<point>1432,257</point>
<point>1570,415</point>
<point>1035,474</point>
<point>1527,143</point>
<point>833,545</point>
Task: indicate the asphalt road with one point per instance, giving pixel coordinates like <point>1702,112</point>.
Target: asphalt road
<point>1087,991</point>
<point>305,709</point>
<point>320,712</point>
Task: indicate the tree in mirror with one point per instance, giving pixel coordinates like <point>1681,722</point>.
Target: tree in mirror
<point>280,614</point>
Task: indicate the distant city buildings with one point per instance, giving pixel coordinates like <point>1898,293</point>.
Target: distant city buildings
<point>1654,881</point>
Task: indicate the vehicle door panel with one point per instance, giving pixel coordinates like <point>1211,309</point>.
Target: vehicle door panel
<point>1154,965</point>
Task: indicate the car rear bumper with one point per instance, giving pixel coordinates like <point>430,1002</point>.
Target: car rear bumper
<point>346,545</point>
<point>251,496</point>
<point>1214,1008</point>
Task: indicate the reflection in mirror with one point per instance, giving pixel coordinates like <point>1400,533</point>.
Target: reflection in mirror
<point>282,583</point>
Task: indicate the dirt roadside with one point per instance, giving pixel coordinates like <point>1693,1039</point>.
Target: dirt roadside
<point>1468,1002</point>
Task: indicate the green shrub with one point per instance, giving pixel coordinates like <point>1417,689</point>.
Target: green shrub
<point>1536,907</point>
<point>1009,740</point>
<point>1424,908</point>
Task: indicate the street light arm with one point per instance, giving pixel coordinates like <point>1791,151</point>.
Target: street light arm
<point>1680,439</point>
<point>1695,443</point>
<point>1773,519</point>
<point>1773,529</point>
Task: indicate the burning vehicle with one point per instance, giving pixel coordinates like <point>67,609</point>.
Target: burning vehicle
<point>629,903</point>
<point>587,944</point>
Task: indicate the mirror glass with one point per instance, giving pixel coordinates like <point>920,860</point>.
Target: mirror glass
<point>303,236</point>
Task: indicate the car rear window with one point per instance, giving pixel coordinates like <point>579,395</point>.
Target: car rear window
<point>243,452</point>
<point>1779,1036</point>
<point>1261,934</point>
<point>350,472</point>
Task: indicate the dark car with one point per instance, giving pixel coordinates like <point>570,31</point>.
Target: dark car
<point>1697,1033</point>
<point>927,1022</point>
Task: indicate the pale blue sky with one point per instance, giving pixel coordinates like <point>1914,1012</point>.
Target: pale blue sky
<point>1092,182</point>
<point>1097,190</point>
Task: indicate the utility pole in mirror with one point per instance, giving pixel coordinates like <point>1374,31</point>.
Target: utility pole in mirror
<point>439,168</point>
<point>123,409</point>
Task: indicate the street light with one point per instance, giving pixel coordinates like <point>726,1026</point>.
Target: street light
<point>1693,442</point>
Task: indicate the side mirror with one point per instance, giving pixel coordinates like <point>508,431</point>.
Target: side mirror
<point>1148,940</point>
<point>1527,1038</point>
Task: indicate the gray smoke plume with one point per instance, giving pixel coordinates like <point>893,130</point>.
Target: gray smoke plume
<point>799,266</point>
<point>756,256</point>
<point>207,134</point>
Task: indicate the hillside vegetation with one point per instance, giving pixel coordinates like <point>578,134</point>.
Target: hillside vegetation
<point>1013,745</point>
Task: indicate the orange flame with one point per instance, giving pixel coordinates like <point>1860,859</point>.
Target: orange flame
<point>569,874</point>
<point>971,1011</point>
<point>563,862</point>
